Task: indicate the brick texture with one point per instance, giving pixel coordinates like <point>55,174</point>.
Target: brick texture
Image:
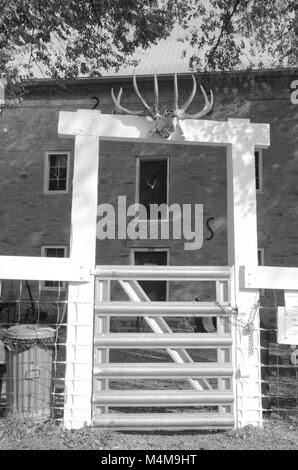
<point>29,218</point>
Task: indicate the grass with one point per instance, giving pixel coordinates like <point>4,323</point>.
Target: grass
<point>25,434</point>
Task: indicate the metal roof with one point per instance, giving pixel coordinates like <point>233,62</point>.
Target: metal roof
<point>163,58</point>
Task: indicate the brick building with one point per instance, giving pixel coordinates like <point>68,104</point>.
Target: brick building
<point>36,172</point>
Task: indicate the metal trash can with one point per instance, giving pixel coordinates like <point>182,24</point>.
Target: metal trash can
<point>29,363</point>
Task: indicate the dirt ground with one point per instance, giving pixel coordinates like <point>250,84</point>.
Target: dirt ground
<point>24,434</point>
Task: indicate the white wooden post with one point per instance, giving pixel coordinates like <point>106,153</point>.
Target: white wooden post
<point>242,250</point>
<point>80,321</point>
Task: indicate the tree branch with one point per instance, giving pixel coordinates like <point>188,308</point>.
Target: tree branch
<point>225,23</point>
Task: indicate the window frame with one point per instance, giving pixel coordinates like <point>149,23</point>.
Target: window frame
<point>46,189</point>
<point>43,254</point>
<point>137,192</point>
<point>259,151</point>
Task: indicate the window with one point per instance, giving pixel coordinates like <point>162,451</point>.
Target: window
<point>261,256</point>
<point>56,172</point>
<point>54,251</point>
<point>259,169</point>
<point>156,290</point>
<point>261,262</point>
<point>152,183</point>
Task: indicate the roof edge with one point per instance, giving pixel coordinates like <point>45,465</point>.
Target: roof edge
<point>35,82</point>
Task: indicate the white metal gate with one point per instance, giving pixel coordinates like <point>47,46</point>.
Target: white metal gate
<point>196,392</point>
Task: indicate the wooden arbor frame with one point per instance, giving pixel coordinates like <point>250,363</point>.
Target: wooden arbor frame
<point>240,137</point>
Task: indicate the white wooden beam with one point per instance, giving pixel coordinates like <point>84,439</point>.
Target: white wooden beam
<point>41,269</point>
<point>80,318</point>
<point>242,250</point>
<point>135,128</point>
<point>268,277</point>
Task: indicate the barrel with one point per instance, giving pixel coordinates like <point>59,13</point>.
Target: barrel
<point>29,364</point>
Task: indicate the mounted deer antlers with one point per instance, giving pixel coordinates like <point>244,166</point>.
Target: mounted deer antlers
<point>177,112</point>
<point>165,121</point>
<point>180,113</point>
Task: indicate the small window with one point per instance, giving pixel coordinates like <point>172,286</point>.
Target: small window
<point>261,262</point>
<point>261,256</point>
<point>259,169</point>
<point>56,172</point>
<point>54,251</point>
<point>152,183</point>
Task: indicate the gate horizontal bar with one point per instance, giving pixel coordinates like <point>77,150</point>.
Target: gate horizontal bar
<point>34,268</point>
<point>151,340</point>
<point>164,273</point>
<point>148,308</point>
<point>161,397</point>
<point>164,421</point>
<point>162,369</point>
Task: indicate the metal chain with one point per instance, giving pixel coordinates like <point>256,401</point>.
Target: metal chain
<point>247,326</point>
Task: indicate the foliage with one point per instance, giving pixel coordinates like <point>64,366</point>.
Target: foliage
<point>223,32</point>
<point>78,37</point>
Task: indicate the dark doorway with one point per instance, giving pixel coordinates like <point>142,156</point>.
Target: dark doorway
<point>156,290</point>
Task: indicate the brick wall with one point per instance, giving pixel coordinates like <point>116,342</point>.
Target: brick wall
<point>30,219</point>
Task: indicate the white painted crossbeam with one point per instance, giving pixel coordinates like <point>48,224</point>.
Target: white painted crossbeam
<point>40,269</point>
<point>159,308</point>
<point>162,397</point>
<point>163,273</point>
<point>267,277</point>
<point>151,340</point>
<point>166,421</point>
<point>136,128</point>
<point>163,369</point>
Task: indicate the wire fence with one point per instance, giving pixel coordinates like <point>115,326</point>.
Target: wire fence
<point>279,362</point>
<point>33,321</point>
<point>32,368</point>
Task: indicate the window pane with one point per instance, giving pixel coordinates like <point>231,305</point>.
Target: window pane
<point>55,252</point>
<point>261,257</point>
<point>153,183</point>
<point>57,172</point>
<point>257,170</point>
<point>58,160</point>
<point>57,184</point>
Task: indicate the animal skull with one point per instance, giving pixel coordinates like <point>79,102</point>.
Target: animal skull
<point>165,124</point>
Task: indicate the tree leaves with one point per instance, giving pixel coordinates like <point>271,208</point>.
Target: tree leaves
<point>85,37</point>
<point>231,30</point>
<point>101,34</point>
